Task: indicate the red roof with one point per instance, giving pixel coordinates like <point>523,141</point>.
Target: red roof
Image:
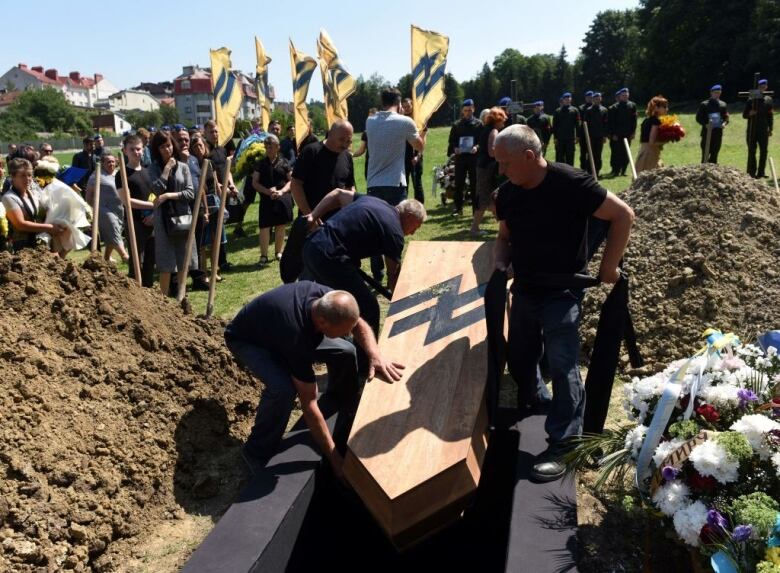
<point>51,77</point>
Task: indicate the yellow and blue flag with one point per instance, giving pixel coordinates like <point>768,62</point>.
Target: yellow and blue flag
<point>429,59</point>
<point>227,94</point>
<point>337,83</point>
<point>263,97</point>
<point>303,67</point>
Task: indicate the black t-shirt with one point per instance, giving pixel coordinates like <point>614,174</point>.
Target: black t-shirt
<point>366,227</point>
<point>280,321</point>
<point>272,174</point>
<point>647,125</point>
<point>321,171</point>
<point>548,224</point>
<point>483,156</point>
<point>140,184</point>
<point>218,158</point>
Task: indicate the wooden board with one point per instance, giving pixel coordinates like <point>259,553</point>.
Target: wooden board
<point>416,447</point>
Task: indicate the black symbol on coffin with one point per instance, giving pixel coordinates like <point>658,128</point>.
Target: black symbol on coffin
<point>440,316</point>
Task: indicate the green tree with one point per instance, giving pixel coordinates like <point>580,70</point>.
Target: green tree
<point>365,96</point>
<point>44,110</point>
<point>169,114</point>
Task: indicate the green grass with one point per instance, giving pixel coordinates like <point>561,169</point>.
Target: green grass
<point>245,281</point>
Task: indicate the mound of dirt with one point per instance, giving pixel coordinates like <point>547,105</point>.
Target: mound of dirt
<point>118,412</point>
<point>704,252</point>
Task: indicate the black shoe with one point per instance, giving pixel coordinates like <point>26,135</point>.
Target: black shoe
<point>547,466</point>
<point>239,233</point>
<point>623,173</point>
<point>200,284</point>
<point>226,267</point>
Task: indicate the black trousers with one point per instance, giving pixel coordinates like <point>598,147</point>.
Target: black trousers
<point>144,242</point>
<point>564,151</point>
<point>597,145</point>
<point>715,141</point>
<point>465,164</point>
<point>619,159</point>
<point>414,178</point>
<point>249,197</point>
<point>762,141</point>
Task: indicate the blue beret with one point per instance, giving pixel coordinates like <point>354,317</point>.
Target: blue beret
<point>196,126</point>
<point>762,82</point>
<point>504,101</point>
<point>539,102</point>
<point>178,126</point>
<point>467,102</point>
<point>565,95</point>
<point>589,93</point>
<point>716,87</point>
<point>152,129</point>
<point>98,136</point>
<point>596,94</point>
<point>621,90</point>
<point>165,127</point>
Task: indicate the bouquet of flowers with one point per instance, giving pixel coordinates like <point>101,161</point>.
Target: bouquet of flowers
<point>707,454</point>
<point>247,160</point>
<point>445,177</point>
<point>670,130</point>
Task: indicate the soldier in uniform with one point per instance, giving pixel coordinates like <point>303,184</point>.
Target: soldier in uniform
<point>540,123</point>
<point>464,136</point>
<point>758,112</point>
<point>622,124</point>
<point>566,123</point>
<point>597,118</point>
<point>584,146</point>
<point>712,111</point>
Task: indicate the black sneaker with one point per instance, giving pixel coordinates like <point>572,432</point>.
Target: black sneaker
<point>547,466</point>
<point>239,233</point>
<point>226,267</point>
<point>200,284</point>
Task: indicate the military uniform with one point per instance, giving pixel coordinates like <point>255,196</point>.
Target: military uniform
<point>761,130</point>
<point>581,134</point>
<point>540,123</point>
<point>622,124</point>
<point>715,110</point>
<point>465,163</point>
<point>597,118</point>
<point>565,126</point>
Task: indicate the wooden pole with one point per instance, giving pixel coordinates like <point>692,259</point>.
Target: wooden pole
<point>707,142</point>
<point>774,174</point>
<point>95,209</point>
<point>630,159</point>
<point>191,235</point>
<point>218,239</point>
<point>130,223</point>
<point>590,150</point>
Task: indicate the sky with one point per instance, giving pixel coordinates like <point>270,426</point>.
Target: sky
<point>144,40</point>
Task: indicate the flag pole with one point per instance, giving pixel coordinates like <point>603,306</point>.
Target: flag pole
<point>95,210</point>
<point>590,150</point>
<point>130,223</point>
<point>217,239</point>
<point>774,174</point>
<point>191,235</point>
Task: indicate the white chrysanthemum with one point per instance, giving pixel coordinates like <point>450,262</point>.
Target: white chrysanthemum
<point>634,440</point>
<point>664,449</point>
<point>776,462</point>
<point>721,395</point>
<point>688,522</point>
<point>754,427</point>
<point>672,497</point>
<point>771,351</point>
<point>712,459</point>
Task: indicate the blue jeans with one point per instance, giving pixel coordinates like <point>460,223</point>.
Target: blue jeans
<point>393,195</point>
<point>549,321</point>
<point>278,398</point>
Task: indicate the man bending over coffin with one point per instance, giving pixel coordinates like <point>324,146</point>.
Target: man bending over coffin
<point>543,211</point>
<point>364,227</point>
<point>277,337</point>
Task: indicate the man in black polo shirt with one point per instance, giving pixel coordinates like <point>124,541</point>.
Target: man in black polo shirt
<point>565,126</point>
<point>278,336</point>
<point>543,211</point>
<point>365,226</point>
<point>463,142</point>
<point>85,160</point>
<point>712,112</point>
<point>622,125</point>
<point>597,118</point>
<point>322,167</point>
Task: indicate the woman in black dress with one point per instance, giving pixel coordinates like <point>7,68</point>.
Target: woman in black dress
<point>271,178</point>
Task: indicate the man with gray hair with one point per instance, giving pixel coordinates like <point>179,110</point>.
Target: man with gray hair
<point>364,227</point>
<point>278,336</point>
<point>543,211</point>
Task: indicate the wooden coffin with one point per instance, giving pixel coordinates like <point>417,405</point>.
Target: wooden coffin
<point>416,447</point>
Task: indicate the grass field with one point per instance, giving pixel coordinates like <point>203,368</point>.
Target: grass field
<point>245,281</point>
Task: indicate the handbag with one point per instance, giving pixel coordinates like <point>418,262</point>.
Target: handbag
<point>178,216</point>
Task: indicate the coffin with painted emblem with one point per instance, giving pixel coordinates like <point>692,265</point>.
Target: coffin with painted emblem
<point>416,447</point>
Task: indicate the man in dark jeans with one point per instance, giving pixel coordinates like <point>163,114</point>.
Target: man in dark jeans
<point>388,132</point>
<point>463,139</point>
<point>364,227</point>
<point>308,322</point>
<point>413,159</point>
<point>543,210</point>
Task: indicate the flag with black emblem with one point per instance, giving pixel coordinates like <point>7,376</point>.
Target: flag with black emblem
<point>227,94</point>
<point>303,67</point>
<point>263,99</point>
<point>429,59</point>
<point>337,83</point>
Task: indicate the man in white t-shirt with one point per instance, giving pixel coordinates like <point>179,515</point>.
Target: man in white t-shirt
<point>388,131</point>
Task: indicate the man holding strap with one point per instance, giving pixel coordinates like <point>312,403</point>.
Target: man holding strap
<point>543,211</point>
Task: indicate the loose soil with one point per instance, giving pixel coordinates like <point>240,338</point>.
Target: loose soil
<point>703,253</point>
<point>121,419</point>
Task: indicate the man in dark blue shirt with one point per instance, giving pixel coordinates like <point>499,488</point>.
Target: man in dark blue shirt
<point>278,336</point>
<point>543,211</point>
<point>364,227</point>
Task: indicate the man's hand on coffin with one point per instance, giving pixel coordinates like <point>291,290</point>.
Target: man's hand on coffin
<point>384,369</point>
